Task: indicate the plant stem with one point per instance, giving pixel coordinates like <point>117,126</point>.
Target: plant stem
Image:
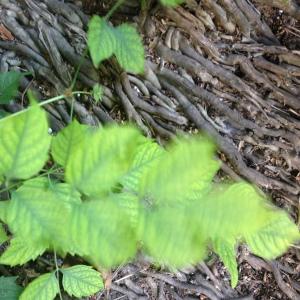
<point>113,9</point>
<point>57,274</point>
<point>51,100</point>
<point>7,188</point>
<point>78,67</point>
<point>72,109</point>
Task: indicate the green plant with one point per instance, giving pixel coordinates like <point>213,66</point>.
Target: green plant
<point>123,41</point>
<point>9,83</point>
<point>9,290</point>
<point>120,188</point>
<point>104,193</point>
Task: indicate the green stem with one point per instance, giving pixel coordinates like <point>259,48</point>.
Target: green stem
<point>8,188</point>
<point>113,9</point>
<point>57,274</point>
<point>51,100</point>
<point>72,110</point>
<point>79,67</point>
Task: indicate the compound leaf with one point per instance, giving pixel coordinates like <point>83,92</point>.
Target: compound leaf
<point>103,158</point>
<point>67,141</point>
<point>21,251</point>
<point>129,50</point>
<point>81,281</point>
<point>24,144</point>
<point>101,40</point>
<point>9,290</point>
<point>9,84</point>
<point>45,287</point>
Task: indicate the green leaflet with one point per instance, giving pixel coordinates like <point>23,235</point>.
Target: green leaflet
<point>129,50</point>
<point>170,238</point>
<point>101,40</point>
<point>67,141</point>
<point>238,210</point>
<point>24,144</point>
<point>21,251</point>
<point>3,235</point>
<point>9,84</point>
<point>275,237</point>
<point>97,92</point>
<point>45,287</point>
<point>187,166</point>
<point>102,233</point>
<point>103,158</point>
<point>81,281</point>
<point>38,213</point>
<point>130,204</point>
<point>227,252</point>
<point>123,41</point>
<point>9,290</point>
<point>145,157</point>
<point>63,192</point>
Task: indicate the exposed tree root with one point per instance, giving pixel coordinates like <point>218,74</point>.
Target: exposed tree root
<point>213,66</point>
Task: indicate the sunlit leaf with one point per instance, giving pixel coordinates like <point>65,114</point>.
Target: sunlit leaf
<point>143,160</point>
<point>67,141</point>
<point>81,281</point>
<point>275,237</point>
<point>39,213</point>
<point>170,238</point>
<point>227,252</point>
<point>129,50</point>
<point>24,144</point>
<point>99,162</point>
<point>234,208</point>
<point>102,233</point>
<point>187,166</point>
<point>101,40</point>
<point>130,204</point>
<point>21,251</point>
<point>45,287</point>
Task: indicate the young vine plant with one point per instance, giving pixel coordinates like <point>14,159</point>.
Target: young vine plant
<point>105,193</point>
